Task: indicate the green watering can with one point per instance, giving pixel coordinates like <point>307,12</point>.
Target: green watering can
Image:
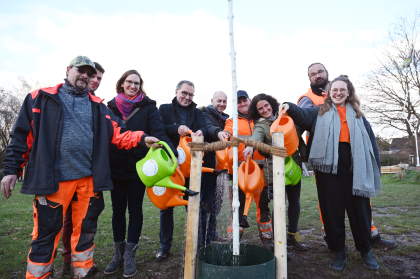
<point>156,168</point>
<point>292,172</point>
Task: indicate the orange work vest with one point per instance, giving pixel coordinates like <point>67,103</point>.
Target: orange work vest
<point>316,99</point>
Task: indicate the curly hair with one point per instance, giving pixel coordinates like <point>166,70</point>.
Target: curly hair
<point>121,80</point>
<point>253,112</point>
<point>352,99</point>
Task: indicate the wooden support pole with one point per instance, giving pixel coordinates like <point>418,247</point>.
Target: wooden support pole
<point>279,210</point>
<point>191,240</point>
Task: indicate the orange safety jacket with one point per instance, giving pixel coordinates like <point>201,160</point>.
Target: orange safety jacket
<point>316,99</point>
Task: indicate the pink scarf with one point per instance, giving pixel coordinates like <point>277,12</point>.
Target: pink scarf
<point>126,105</point>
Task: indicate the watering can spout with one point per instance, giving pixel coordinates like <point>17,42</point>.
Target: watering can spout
<point>167,182</point>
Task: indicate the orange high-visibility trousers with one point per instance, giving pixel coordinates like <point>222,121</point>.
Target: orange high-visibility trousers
<point>48,222</point>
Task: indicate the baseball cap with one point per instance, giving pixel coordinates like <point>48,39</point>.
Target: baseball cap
<point>80,61</point>
<point>242,93</point>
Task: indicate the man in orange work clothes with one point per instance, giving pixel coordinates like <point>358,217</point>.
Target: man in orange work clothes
<point>315,96</point>
<point>94,83</point>
<point>62,136</point>
<point>245,127</point>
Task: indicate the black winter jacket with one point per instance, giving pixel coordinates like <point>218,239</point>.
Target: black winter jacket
<point>306,118</point>
<point>169,114</point>
<point>147,119</point>
<point>36,137</point>
<point>215,122</point>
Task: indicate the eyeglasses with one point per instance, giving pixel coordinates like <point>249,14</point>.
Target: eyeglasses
<point>316,73</point>
<point>86,70</point>
<point>186,94</point>
<point>130,82</point>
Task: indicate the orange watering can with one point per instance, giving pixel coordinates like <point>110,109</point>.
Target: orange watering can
<point>224,160</point>
<point>163,197</point>
<point>285,124</point>
<point>184,156</point>
<point>251,182</point>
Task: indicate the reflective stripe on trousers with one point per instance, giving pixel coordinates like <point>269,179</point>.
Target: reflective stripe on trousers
<point>266,230</point>
<point>82,262</point>
<point>48,221</point>
<point>38,271</point>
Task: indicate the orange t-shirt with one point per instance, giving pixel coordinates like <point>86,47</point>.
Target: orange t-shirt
<point>344,130</point>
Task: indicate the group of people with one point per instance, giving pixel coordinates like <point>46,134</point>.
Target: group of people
<point>73,147</point>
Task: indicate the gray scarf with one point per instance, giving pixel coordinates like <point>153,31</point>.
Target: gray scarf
<point>324,151</point>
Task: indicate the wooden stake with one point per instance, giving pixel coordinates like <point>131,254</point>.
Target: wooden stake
<point>279,210</point>
<point>191,241</point>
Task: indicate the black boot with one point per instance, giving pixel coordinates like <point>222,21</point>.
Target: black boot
<point>370,261</point>
<point>339,262</point>
<point>117,258</point>
<point>129,260</point>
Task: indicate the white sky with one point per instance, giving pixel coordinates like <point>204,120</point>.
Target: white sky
<point>167,41</point>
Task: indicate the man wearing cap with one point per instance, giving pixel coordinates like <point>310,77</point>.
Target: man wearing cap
<point>245,128</point>
<point>61,137</point>
<point>94,83</point>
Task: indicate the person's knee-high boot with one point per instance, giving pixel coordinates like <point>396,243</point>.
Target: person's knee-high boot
<point>117,258</point>
<point>129,260</point>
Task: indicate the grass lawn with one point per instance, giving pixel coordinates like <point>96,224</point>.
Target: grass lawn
<point>396,213</point>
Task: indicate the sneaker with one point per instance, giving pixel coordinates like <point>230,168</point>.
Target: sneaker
<point>293,241</point>
<point>162,255</point>
<point>379,243</point>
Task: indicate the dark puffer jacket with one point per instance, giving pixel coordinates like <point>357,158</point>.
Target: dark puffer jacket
<point>147,119</point>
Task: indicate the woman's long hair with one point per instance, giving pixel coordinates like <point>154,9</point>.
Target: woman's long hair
<point>352,99</point>
<point>253,112</point>
<point>119,87</point>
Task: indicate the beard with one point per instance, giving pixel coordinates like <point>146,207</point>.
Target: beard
<point>320,83</point>
<point>81,83</point>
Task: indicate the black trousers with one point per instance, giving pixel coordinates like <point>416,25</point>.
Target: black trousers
<point>127,194</point>
<point>335,194</point>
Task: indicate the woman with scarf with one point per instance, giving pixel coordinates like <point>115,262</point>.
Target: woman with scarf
<point>264,110</point>
<point>139,112</point>
<point>345,158</point>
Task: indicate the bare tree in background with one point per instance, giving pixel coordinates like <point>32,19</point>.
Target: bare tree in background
<point>10,103</point>
<point>393,90</point>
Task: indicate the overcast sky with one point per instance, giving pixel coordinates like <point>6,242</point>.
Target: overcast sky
<point>167,41</point>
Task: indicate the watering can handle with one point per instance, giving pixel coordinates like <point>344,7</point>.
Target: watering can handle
<point>247,167</point>
<point>169,150</point>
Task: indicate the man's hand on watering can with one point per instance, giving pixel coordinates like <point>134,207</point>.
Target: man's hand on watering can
<point>197,133</point>
<point>248,152</point>
<point>151,142</point>
<point>284,107</point>
<point>183,130</point>
<point>223,135</point>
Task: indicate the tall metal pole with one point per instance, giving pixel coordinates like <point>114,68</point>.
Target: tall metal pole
<point>417,149</point>
<point>235,198</point>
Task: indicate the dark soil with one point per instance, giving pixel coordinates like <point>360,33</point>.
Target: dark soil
<point>401,262</point>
